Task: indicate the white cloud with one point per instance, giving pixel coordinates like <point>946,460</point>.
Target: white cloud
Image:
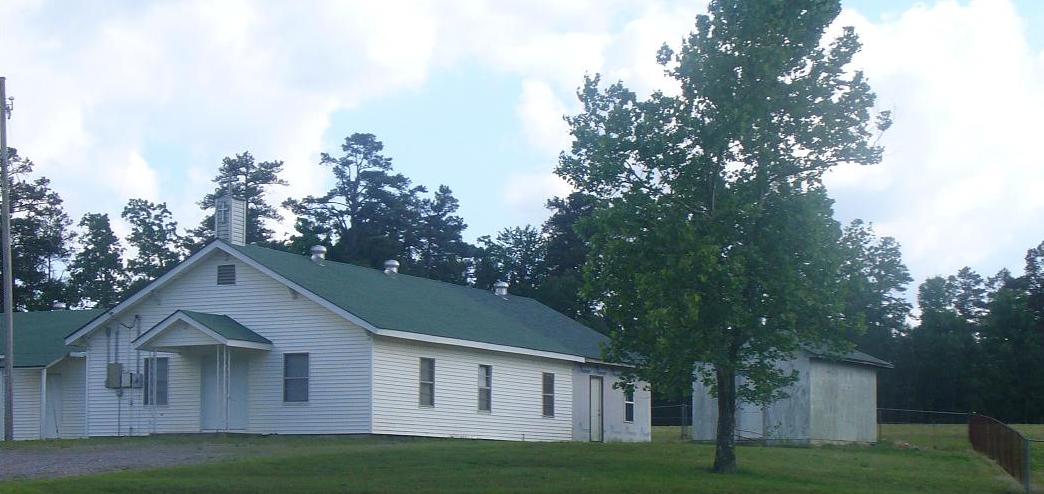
<point>525,194</point>
<point>147,99</point>
<point>541,112</point>
<point>961,180</point>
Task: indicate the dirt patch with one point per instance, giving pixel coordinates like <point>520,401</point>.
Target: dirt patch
<point>87,458</point>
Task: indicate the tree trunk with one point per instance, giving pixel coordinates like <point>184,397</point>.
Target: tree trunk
<point>725,446</point>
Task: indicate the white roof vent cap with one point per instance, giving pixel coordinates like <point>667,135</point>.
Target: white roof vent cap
<point>391,266</point>
<point>318,253</point>
<point>500,288</point>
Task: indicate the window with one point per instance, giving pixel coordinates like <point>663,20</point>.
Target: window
<point>156,380</point>
<point>628,405</point>
<point>226,274</point>
<point>427,382</point>
<point>549,394</point>
<point>295,377</point>
<point>485,388</point>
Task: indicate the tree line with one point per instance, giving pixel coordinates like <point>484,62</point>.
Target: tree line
<point>371,214</point>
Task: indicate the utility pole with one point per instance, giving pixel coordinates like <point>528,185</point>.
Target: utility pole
<point>5,219</point>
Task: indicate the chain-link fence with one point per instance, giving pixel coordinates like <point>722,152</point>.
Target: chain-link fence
<point>673,421</point>
<point>1011,447</point>
<point>1003,444</point>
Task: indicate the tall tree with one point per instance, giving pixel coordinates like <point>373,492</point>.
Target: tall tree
<point>566,254</point>
<point>370,213</point>
<point>717,243</point>
<point>440,251</point>
<point>97,272</point>
<point>516,256</point>
<point>40,239</point>
<point>248,180</point>
<point>154,236</point>
<point>875,280</point>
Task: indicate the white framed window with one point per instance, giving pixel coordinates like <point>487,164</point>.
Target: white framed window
<point>485,388</point>
<point>426,392</point>
<point>295,377</point>
<point>226,274</point>
<point>628,405</point>
<point>157,380</point>
<point>548,394</point>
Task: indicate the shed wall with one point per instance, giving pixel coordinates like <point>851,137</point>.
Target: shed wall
<point>73,396</point>
<point>844,402</point>
<point>614,427</point>
<point>26,387</point>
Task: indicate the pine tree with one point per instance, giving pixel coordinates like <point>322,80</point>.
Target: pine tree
<point>40,239</point>
<point>154,236</point>
<point>245,179</point>
<point>441,252</point>
<point>371,214</point>
<point>97,272</point>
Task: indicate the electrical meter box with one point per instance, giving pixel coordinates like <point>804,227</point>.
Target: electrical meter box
<point>114,375</point>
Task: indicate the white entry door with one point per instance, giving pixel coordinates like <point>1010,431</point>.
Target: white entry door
<point>210,393</point>
<point>237,396</point>
<point>53,410</point>
<point>596,409</point>
<point>223,402</point>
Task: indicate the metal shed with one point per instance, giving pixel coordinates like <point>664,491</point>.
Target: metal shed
<point>833,401</point>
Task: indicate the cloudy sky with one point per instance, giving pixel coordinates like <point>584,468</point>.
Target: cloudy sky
<point>116,100</point>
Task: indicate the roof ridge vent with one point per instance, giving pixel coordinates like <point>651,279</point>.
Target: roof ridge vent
<point>391,266</point>
<point>500,288</point>
<point>318,253</point>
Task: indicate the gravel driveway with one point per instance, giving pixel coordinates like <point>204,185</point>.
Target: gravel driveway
<point>66,459</point>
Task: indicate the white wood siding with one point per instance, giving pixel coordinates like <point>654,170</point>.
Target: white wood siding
<point>73,399</point>
<point>516,413</point>
<point>26,384</point>
<point>181,335</point>
<point>339,359</point>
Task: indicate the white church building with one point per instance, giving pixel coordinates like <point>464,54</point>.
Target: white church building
<point>242,338</point>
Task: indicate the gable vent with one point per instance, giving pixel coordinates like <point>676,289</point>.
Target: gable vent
<point>226,274</point>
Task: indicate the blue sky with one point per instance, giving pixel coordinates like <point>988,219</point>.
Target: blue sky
<point>143,100</point>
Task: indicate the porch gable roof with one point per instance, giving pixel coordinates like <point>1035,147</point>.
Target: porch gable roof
<point>219,327</point>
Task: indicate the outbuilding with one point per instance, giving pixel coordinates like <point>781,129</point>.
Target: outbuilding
<point>834,400</point>
<point>48,378</point>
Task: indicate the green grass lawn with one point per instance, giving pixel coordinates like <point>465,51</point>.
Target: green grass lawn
<point>376,464</point>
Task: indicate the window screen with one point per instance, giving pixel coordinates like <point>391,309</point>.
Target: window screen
<point>226,274</point>
<point>628,405</point>
<point>485,388</point>
<point>427,382</point>
<point>549,394</point>
<point>295,377</point>
<point>156,380</point>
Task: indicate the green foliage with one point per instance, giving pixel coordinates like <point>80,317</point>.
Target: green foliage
<point>874,285</point>
<point>978,346</point>
<point>154,236</point>
<point>40,239</point>
<point>97,274</point>
<point>373,214</point>
<point>440,253</point>
<point>716,243</point>
<point>247,180</point>
<point>517,256</point>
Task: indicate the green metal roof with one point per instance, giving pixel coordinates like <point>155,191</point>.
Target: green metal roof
<point>40,336</point>
<point>419,305</point>
<point>224,326</point>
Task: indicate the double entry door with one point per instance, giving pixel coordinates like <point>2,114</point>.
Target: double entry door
<point>224,397</point>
